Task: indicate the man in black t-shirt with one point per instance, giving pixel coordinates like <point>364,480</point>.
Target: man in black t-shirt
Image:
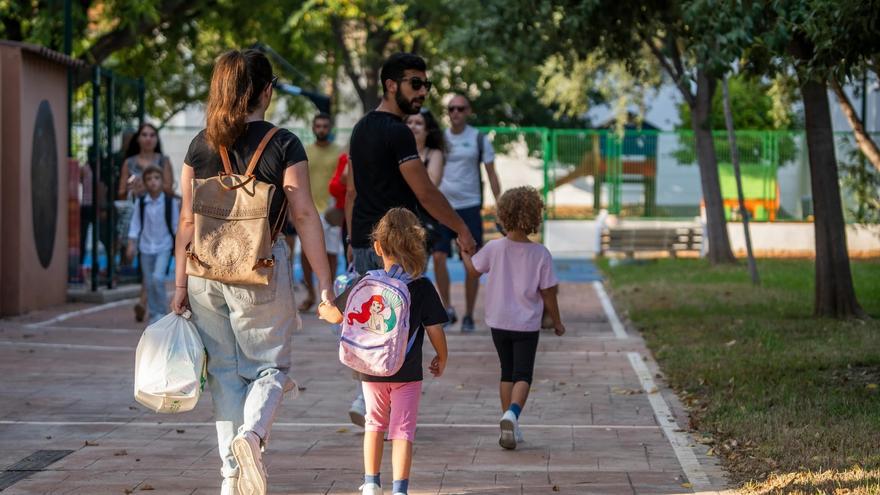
<point>387,172</point>
<point>385,164</point>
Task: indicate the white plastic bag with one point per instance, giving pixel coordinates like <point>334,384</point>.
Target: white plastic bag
<point>170,365</point>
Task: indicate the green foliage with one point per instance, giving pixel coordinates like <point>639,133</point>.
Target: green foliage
<point>862,180</point>
<point>751,104</point>
<point>575,84</point>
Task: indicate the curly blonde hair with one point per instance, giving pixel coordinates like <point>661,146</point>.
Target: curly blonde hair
<point>402,238</point>
<point>520,209</point>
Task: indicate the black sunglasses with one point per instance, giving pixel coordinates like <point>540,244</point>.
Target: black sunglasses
<point>456,108</point>
<point>274,82</point>
<point>417,83</point>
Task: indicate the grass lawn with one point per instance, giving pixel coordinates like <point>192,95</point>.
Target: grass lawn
<point>790,402</point>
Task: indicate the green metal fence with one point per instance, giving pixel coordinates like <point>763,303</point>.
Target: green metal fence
<point>655,174</point>
<point>646,174</point>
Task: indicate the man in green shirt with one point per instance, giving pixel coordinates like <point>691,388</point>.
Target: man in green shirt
<point>323,156</point>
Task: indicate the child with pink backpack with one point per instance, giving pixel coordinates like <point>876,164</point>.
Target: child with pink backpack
<point>385,317</point>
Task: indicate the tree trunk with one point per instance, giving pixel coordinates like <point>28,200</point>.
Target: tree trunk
<point>835,296</point>
<point>866,144</point>
<point>716,225</point>
<point>734,159</point>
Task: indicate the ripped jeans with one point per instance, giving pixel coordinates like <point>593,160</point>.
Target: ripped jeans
<point>247,332</point>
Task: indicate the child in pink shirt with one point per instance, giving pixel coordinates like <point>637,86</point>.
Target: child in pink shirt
<point>521,283</point>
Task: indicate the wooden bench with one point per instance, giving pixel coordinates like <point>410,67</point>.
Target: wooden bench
<point>672,240</point>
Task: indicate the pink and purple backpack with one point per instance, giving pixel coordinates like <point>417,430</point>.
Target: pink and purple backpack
<point>375,324</point>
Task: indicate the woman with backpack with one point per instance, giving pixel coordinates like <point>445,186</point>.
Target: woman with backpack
<point>241,174</point>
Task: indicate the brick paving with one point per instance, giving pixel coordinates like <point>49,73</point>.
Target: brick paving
<point>589,426</point>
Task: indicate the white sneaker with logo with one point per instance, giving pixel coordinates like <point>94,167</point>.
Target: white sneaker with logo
<point>517,432</point>
<point>371,489</point>
<point>229,486</point>
<point>509,426</point>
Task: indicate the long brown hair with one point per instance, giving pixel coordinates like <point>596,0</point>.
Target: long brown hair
<point>402,238</point>
<point>236,83</point>
<point>134,147</point>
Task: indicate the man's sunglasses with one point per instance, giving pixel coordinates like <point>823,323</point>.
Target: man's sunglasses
<point>274,82</point>
<point>417,83</point>
<point>456,108</point>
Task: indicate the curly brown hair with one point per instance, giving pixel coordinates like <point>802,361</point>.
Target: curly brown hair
<point>402,238</point>
<point>520,209</point>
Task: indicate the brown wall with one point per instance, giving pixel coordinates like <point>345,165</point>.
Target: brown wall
<point>28,79</point>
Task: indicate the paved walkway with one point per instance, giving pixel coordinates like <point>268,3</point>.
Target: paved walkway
<point>595,423</point>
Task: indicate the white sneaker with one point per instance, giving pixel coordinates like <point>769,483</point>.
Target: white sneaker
<point>517,432</point>
<point>252,474</point>
<point>508,429</point>
<point>229,486</point>
<point>371,489</point>
<point>358,411</point>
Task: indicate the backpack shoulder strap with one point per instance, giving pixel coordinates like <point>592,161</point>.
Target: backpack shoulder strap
<point>141,206</point>
<point>480,145</point>
<point>224,157</point>
<point>256,158</point>
<point>169,205</point>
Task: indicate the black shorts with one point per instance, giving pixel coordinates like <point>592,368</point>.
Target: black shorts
<point>473,218</point>
<point>516,351</point>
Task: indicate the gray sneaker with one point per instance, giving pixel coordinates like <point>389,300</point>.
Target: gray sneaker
<point>451,316</point>
<point>358,411</point>
<point>467,324</point>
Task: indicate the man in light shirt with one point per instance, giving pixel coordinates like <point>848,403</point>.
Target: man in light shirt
<point>463,186</point>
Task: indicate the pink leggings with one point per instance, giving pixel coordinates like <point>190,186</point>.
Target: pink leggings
<point>394,404</point>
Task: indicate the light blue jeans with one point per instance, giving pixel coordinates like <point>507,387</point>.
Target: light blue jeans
<point>154,268</point>
<point>247,333</point>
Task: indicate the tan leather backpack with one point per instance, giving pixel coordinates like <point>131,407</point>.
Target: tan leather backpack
<point>232,242</point>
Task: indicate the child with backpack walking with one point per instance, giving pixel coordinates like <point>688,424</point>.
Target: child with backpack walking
<point>151,233</point>
<point>521,284</point>
<point>385,317</point>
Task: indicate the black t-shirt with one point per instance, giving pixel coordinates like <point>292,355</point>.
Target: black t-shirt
<point>425,309</point>
<point>380,143</point>
<point>284,150</point>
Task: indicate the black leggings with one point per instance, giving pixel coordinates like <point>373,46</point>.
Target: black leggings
<point>516,350</point>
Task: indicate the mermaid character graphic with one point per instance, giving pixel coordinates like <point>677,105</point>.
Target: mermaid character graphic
<point>371,315</point>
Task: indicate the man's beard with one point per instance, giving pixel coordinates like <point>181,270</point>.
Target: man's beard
<point>406,106</point>
<point>322,139</point>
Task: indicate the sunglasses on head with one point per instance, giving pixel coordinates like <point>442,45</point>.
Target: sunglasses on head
<point>456,108</point>
<point>417,83</point>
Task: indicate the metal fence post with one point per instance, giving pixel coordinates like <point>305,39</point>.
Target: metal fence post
<point>68,49</point>
<point>547,155</point>
<point>96,172</point>
<point>111,180</point>
<point>141,105</point>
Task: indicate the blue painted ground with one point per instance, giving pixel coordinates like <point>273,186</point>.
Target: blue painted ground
<point>567,270</point>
